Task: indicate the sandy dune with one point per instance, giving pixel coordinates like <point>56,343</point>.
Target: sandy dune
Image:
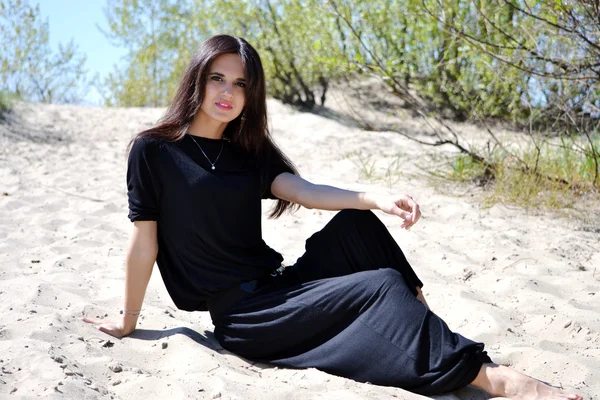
<point>526,284</point>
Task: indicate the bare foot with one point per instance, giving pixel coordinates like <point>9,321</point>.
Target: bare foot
<point>505,382</point>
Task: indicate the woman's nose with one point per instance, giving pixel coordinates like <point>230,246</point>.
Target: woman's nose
<point>227,90</point>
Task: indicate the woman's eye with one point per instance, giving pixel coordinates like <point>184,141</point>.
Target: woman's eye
<point>241,84</point>
<point>216,78</point>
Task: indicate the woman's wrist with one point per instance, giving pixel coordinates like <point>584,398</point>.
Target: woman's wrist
<point>129,323</point>
<point>130,317</point>
<point>131,312</point>
<point>370,200</point>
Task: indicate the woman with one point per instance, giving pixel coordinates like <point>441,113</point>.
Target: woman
<point>351,305</point>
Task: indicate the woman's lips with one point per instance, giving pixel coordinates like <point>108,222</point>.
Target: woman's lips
<point>224,105</point>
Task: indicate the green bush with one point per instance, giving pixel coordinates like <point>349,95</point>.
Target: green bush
<point>548,173</point>
<point>6,102</point>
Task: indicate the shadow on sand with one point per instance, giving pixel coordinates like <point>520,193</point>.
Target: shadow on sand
<point>208,340</point>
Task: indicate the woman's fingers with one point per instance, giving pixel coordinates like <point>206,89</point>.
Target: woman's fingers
<point>107,327</point>
<point>94,321</point>
<point>405,215</point>
<point>406,219</point>
<point>404,207</point>
<point>406,225</point>
<point>111,330</point>
<point>408,210</point>
<point>416,213</point>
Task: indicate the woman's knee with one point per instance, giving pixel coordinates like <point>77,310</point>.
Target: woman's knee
<point>391,275</point>
<point>384,277</point>
<point>353,217</point>
<point>351,213</point>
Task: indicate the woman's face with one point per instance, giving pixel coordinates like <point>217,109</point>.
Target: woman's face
<point>224,93</point>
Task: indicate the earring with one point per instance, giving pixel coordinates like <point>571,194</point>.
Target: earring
<point>243,119</point>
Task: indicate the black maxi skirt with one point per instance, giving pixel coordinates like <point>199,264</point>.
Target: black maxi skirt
<point>348,307</point>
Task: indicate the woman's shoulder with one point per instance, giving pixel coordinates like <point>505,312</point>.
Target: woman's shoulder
<point>147,144</point>
<point>146,149</point>
<point>148,140</point>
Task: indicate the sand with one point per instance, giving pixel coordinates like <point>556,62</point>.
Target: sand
<point>525,283</point>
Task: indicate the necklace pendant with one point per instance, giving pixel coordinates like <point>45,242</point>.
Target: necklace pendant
<point>212,164</point>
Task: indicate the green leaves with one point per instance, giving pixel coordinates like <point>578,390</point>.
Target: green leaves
<point>160,37</point>
<point>296,40</point>
<point>474,58</point>
<point>28,66</point>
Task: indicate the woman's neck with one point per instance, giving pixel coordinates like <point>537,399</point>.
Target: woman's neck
<point>207,127</point>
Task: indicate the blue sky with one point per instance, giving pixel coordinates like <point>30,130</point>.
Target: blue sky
<point>78,20</point>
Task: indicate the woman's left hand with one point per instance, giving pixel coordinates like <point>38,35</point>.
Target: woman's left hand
<point>403,206</point>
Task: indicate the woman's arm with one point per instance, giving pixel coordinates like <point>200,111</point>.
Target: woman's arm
<point>290,187</point>
<point>141,255</point>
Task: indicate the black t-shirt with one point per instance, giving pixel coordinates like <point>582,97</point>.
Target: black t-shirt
<point>209,221</point>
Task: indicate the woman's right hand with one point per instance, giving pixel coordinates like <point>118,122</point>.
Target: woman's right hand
<point>115,329</point>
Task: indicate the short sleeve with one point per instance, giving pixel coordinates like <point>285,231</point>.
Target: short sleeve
<point>274,169</point>
<point>143,184</point>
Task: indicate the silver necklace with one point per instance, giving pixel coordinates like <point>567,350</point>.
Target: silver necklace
<point>212,164</point>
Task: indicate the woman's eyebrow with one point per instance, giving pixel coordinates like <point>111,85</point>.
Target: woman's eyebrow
<point>223,76</point>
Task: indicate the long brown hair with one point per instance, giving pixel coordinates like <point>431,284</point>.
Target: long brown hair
<point>253,135</point>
